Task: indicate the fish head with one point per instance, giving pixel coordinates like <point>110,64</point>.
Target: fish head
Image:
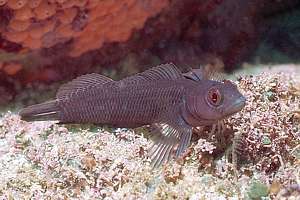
<point>211,101</point>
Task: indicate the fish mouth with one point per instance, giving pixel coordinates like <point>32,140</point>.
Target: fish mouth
<point>237,106</point>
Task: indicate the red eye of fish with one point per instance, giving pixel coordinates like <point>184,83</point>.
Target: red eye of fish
<point>214,97</point>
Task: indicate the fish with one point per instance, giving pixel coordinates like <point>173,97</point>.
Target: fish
<point>162,97</point>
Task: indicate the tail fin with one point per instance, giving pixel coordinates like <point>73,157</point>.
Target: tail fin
<point>41,112</point>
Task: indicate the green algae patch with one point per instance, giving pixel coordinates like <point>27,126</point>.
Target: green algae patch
<point>257,190</point>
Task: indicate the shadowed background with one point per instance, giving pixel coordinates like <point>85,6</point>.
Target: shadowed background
<point>50,41</point>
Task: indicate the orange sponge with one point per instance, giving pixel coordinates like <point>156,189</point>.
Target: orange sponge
<point>34,3</point>
<point>12,68</point>
<point>18,25</point>
<point>45,10</point>
<point>67,15</point>
<point>89,23</point>
<point>16,37</point>
<point>65,31</point>
<point>16,4</point>
<point>39,29</point>
<point>3,2</point>
<point>32,43</point>
<point>24,13</point>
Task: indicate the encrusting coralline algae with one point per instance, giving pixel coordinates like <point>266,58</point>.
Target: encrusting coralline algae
<point>44,160</point>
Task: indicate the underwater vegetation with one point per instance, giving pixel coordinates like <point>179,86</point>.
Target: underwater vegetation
<point>45,160</point>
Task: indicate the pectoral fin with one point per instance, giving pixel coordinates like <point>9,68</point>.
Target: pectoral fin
<point>170,139</point>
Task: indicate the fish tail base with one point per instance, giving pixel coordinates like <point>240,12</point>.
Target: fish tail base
<point>41,112</point>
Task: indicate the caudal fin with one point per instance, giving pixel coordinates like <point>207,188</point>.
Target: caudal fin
<point>41,112</point>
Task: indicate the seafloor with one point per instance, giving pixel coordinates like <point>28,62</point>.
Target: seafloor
<point>43,160</point>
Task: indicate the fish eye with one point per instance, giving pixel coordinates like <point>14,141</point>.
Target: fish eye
<point>214,97</point>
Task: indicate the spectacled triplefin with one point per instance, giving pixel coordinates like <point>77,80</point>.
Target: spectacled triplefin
<point>169,101</point>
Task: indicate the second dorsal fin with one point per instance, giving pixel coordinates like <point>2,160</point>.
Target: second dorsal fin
<point>81,83</point>
<point>161,72</point>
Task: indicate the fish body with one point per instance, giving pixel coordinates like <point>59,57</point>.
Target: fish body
<point>162,97</point>
<point>128,105</point>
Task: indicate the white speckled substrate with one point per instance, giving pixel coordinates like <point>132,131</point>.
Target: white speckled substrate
<point>43,160</point>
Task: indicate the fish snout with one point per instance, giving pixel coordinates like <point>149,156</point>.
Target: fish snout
<point>239,104</point>
<point>236,106</point>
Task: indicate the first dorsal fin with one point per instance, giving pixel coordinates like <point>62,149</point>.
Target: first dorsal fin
<point>161,72</point>
<point>81,83</point>
<point>195,74</point>
<point>204,73</point>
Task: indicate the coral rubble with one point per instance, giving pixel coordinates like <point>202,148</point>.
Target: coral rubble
<point>44,160</point>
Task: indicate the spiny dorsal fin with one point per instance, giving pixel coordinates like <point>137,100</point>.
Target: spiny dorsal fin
<point>82,83</point>
<point>162,72</point>
<point>195,74</point>
<point>203,73</point>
